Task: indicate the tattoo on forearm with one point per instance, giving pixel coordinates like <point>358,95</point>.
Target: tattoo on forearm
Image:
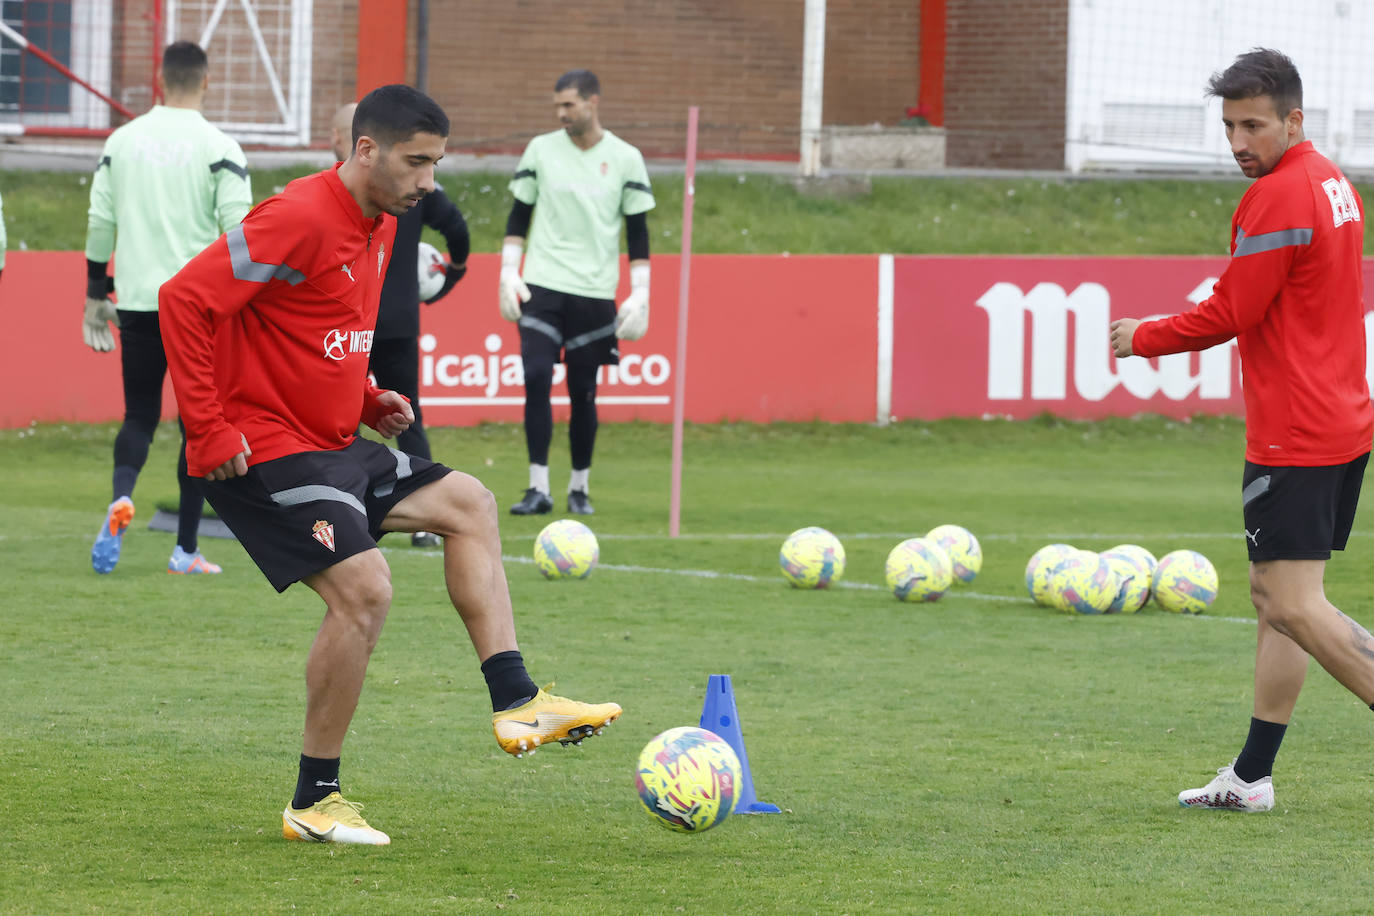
<point>1359,636</point>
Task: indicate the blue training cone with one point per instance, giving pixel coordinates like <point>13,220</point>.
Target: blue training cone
<point>718,714</point>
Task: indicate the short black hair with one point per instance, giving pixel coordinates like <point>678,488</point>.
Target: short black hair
<point>584,81</point>
<point>184,66</point>
<point>393,114</point>
<point>1257,72</point>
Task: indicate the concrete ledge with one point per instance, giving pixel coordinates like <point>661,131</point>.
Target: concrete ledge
<point>878,147</point>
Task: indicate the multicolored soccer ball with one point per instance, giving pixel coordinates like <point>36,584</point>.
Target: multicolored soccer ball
<point>1185,582</point>
<point>811,558</point>
<point>918,569</point>
<point>1083,583</point>
<point>433,271</point>
<point>1135,566</point>
<point>1038,570</point>
<point>965,556</point>
<point>689,779</point>
<point>566,549</point>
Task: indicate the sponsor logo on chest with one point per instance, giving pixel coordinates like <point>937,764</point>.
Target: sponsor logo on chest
<point>339,344</point>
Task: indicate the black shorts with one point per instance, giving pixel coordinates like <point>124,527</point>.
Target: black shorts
<point>562,327</point>
<point>305,512</point>
<point>1300,513</point>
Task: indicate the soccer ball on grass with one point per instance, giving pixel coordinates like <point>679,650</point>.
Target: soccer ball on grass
<point>1083,583</point>
<point>1038,570</point>
<point>566,549</point>
<point>1185,582</point>
<point>688,779</point>
<point>965,555</point>
<point>1135,566</point>
<point>918,569</point>
<point>811,558</point>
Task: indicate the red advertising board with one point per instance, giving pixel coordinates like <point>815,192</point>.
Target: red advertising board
<point>1018,337</point>
<point>771,338</point>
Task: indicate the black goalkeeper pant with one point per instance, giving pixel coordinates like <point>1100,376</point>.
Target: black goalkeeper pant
<point>143,365</point>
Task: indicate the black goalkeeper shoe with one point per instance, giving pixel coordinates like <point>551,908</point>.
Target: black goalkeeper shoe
<point>533,503</point>
<point>579,503</point>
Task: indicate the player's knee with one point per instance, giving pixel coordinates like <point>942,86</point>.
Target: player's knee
<point>469,505</point>
<point>368,604</point>
<point>473,497</point>
<point>140,423</point>
<point>538,375</point>
<point>1259,594</point>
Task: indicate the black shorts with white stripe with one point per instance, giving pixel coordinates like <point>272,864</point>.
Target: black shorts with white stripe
<point>1299,513</point>
<point>303,513</point>
<point>566,328</point>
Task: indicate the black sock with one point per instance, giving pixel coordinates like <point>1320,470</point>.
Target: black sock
<point>319,776</point>
<point>1256,759</point>
<point>508,681</point>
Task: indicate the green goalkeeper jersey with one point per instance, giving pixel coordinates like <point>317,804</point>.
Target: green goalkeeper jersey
<point>168,183</point>
<point>579,197</point>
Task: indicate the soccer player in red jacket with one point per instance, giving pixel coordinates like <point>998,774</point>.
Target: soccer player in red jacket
<point>1293,297</point>
<point>268,332</point>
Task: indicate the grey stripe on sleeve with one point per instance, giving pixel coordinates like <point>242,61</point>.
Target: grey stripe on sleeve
<point>1257,488</point>
<point>1269,241</point>
<point>239,170</point>
<point>524,173</point>
<point>317,493</point>
<point>638,186</point>
<point>245,268</point>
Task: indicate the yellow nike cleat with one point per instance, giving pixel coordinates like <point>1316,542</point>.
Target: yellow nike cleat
<point>548,718</point>
<point>332,819</point>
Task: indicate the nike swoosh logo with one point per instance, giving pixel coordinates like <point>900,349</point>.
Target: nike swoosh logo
<point>534,724</point>
<point>335,783</point>
<point>310,831</point>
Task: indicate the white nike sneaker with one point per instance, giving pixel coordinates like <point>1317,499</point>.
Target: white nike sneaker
<point>1227,791</point>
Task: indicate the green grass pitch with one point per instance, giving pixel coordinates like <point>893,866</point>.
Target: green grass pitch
<point>975,755</point>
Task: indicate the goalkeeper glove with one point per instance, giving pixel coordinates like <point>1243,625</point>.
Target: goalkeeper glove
<point>632,321</point>
<point>100,312</point>
<point>513,290</point>
<point>452,274</point>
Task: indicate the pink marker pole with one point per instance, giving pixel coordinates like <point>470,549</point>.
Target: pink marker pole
<point>689,193</point>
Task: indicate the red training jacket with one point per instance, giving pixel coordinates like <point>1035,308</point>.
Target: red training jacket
<point>1293,297</point>
<point>268,330</point>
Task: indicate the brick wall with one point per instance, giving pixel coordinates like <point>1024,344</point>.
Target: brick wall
<point>492,66</point>
<point>1005,83</point>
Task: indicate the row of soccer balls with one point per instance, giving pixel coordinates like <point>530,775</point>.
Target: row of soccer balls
<point>1120,580</point>
<point>918,569</point>
<point>1117,581</point>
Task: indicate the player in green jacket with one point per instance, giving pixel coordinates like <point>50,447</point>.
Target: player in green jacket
<point>572,188</point>
<point>167,185</point>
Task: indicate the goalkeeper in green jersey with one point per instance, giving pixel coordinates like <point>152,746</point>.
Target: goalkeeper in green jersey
<point>572,188</point>
<point>167,185</point>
